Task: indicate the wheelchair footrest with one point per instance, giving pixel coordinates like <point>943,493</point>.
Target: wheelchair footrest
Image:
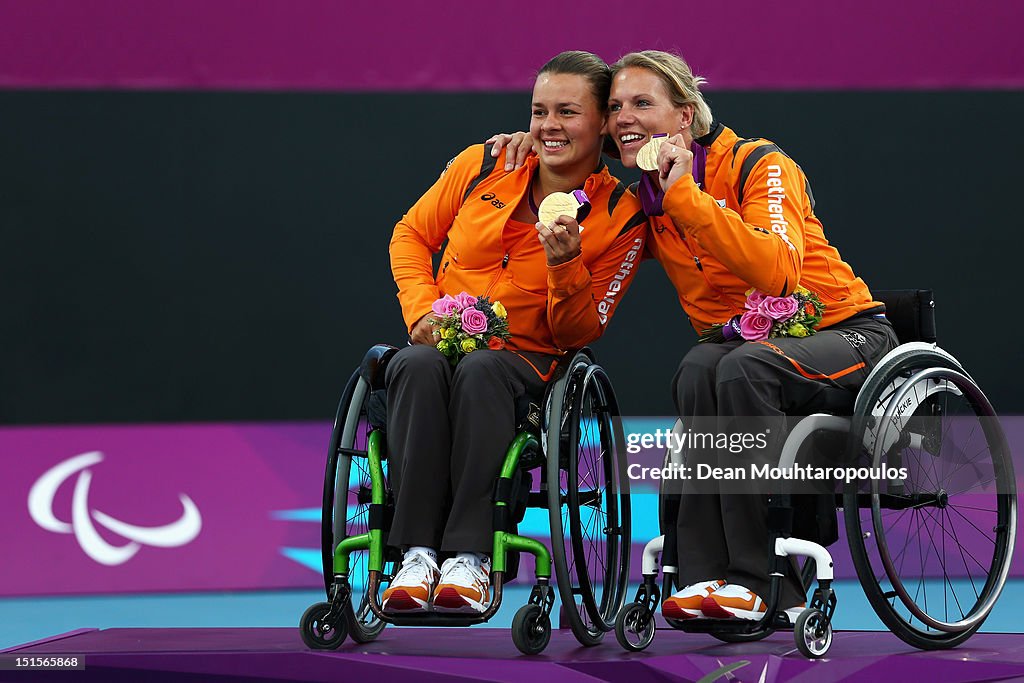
<point>435,619</point>
<point>734,626</point>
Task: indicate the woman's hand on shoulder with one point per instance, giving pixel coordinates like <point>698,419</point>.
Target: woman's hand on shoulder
<point>561,241</point>
<point>517,147</point>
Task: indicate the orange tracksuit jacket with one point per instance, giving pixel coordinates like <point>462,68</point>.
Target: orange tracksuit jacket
<point>753,226</point>
<point>550,308</point>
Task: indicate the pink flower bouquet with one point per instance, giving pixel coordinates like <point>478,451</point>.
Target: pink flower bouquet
<point>769,317</point>
<point>466,323</point>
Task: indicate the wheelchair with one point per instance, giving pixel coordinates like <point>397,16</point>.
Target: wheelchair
<point>943,527</point>
<point>577,444</point>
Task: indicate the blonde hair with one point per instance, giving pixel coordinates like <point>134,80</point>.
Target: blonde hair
<point>680,82</point>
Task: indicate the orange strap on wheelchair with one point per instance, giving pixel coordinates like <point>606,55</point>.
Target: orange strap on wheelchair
<point>816,375</point>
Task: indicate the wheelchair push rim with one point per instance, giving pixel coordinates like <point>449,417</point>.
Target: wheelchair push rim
<point>951,521</point>
<point>348,514</point>
<point>588,500</point>
<point>949,484</point>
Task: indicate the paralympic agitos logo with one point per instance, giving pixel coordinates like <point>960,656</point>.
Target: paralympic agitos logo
<point>84,518</point>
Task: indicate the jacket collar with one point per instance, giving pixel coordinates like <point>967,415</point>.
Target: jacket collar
<point>712,134</point>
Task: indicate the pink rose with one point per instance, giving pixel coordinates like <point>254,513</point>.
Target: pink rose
<point>779,307</point>
<point>755,326</point>
<point>465,301</point>
<point>754,300</point>
<point>474,321</point>
<point>444,306</point>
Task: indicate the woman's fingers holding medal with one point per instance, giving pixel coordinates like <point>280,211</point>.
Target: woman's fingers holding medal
<point>561,239</point>
<point>674,161</point>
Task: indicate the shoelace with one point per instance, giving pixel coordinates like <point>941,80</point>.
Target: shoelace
<point>419,568</point>
<point>462,571</point>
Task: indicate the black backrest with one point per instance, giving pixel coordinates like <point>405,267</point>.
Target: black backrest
<point>911,312</point>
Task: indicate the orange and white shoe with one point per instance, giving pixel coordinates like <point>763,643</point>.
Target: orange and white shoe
<point>734,601</point>
<point>464,585</point>
<point>686,604</point>
<point>414,583</point>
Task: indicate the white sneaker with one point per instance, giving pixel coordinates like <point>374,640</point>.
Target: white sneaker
<point>414,583</point>
<point>686,604</point>
<point>734,601</point>
<point>464,585</point>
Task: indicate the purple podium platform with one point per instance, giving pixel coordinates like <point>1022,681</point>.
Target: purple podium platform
<point>421,654</point>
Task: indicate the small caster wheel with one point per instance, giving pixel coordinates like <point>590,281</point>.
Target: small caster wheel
<point>318,634</point>
<point>813,636</point>
<point>531,629</point>
<point>634,627</point>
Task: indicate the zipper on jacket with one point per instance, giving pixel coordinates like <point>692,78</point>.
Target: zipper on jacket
<point>700,268</point>
<point>444,267</point>
<point>504,264</point>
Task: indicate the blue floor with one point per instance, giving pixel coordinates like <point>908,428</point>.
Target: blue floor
<point>26,619</point>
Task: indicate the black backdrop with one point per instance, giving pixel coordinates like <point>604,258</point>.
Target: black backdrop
<point>223,256</point>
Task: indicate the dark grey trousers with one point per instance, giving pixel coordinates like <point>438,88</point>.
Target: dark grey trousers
<point>448,432</point>
<point>725,536</point>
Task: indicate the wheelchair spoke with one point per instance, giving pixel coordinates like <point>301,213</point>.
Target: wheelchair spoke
<point>963,550</point>
<point>595,544</point>
<point>965,461</point>
<point>920,582</point>
<point>944,516</point>
<point>965,568</point>
<point>968,570</point>
<point>902,554</point>
<point>970,461</point>
<point>981,483</point>
<point>945,574</point>
<point>926,466</point>
<point>984,534</point>
<point>971,507</point>
<point>941,558</point>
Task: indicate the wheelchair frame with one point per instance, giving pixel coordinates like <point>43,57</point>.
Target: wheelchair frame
<point>325,625</point>
<point>868,429</point>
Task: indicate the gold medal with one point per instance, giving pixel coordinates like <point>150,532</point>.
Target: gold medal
<point>647,157</point>
<point>563,204</point>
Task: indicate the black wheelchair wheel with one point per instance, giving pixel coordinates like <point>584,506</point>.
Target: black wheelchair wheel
<point>347,514</point>
<point>588,495</point>
<point>531,629</point>
<point>813,635</point>
<point>319,634</point>
<point>634,627</point>
<point>932,548</point>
